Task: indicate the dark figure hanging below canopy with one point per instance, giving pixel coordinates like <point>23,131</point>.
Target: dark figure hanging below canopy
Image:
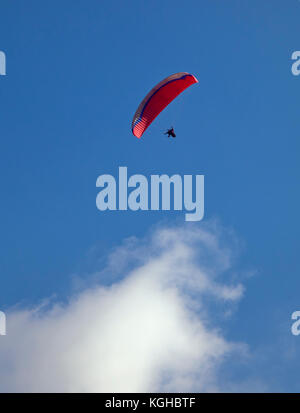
<point>170,132</point>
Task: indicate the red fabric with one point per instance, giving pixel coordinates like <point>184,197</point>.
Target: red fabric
<point>159,100</point>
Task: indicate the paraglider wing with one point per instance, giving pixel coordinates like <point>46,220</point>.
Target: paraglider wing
<point>158,98</point>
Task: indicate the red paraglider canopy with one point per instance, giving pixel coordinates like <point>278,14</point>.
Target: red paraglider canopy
<point>158,98</point>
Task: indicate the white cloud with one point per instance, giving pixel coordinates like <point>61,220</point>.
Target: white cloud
<point>151,330</point>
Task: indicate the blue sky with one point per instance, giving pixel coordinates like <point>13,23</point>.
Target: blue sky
<point>76,72</point>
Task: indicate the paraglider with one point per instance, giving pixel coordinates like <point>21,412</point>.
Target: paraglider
<point>157,99</point>
<point>170,132</point>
